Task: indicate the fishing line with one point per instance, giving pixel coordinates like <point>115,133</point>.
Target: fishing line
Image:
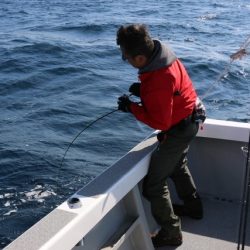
<point>235,56</point>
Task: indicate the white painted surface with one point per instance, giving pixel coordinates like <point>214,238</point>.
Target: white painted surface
<point>226,130</point>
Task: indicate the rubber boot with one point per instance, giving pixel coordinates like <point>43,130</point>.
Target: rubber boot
<point>192,207</point>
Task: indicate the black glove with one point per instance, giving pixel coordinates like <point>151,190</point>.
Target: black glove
<point>124,103</point>
<point>199,114</point>
<point>135,89</point>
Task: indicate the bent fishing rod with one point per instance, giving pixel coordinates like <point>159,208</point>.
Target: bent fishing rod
<point>71,143</point>
<point>85,128</point>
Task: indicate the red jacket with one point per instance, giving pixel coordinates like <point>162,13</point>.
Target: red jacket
<point>167,96</point>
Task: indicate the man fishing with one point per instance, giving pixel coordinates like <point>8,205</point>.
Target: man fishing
<point>168,103</point>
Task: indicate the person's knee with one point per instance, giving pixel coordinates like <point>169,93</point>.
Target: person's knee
<point>151,191</point>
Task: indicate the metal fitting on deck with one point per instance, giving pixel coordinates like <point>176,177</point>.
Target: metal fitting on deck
<point>74,202</point>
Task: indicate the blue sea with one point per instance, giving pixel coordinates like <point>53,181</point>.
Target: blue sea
<point>60,69</point>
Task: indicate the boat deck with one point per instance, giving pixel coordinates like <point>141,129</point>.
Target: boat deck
<point>217,230</point>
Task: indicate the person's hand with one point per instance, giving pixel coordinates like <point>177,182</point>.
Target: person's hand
<point>134,89</point>
<point>124,103</point>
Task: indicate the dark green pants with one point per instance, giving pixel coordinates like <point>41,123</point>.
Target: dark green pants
<point>170,160</point>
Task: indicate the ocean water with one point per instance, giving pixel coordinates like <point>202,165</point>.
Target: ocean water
<point>60,69</point>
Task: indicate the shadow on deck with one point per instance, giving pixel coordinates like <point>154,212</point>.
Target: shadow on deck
<point>216,231</point>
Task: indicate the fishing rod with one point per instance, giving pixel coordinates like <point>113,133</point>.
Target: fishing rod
<point>71,143</point>
<point>85,128</point>
<point>245,199</point>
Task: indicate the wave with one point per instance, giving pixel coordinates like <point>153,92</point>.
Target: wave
<point>14,65</point>
<point>89,28</point>
<point>12,87</point>
<point>209,16</point>
<point>39,48</point>
<point>65,70</point>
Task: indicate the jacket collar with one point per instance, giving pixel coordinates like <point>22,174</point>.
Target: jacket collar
<point>162,56</point>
